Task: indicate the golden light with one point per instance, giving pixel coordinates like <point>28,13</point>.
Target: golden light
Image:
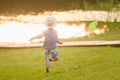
<point>65,31</point>
<point>21,28</point>
<point>18,32</point>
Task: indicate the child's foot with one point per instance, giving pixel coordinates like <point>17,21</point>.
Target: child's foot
<point>47,70</point>
<point>53,59</point>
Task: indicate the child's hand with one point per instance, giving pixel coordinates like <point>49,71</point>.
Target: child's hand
<point>60,42</point>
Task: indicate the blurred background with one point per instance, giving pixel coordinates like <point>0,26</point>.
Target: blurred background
<point>22,19</point>
<point>36,6</point>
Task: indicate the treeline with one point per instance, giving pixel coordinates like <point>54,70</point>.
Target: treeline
<point>26,6</point>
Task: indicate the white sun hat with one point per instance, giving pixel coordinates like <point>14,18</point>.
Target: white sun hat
<point>50,21</point>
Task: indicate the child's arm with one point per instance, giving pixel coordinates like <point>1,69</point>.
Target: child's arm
<point>59,42</point>
<point>37,37</point>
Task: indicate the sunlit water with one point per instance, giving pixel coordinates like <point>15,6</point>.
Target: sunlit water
<point>21,28</point>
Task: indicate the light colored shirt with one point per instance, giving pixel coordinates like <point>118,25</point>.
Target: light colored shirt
<point>51,39</point>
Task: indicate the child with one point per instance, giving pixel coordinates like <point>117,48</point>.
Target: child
<point>50,42</point>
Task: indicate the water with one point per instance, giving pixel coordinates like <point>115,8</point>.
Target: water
<point>20,28</point>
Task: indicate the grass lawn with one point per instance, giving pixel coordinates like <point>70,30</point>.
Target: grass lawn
<point>76,63</point>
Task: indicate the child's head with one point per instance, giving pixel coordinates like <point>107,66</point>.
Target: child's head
<point>50,22</point>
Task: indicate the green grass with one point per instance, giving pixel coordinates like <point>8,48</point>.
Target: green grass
<point>75,63</point>
<point>110,5</point>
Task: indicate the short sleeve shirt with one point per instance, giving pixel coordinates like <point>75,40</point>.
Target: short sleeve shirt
<point>51,39</point>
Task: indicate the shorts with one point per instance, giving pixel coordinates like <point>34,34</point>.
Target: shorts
<point>52,52</point>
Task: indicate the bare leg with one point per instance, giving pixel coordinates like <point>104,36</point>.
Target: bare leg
<point>46,54</point>
<point>54,55</point>
<point>47,65</point>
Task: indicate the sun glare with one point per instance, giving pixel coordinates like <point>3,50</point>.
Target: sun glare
<point>21,28</point>
<point>70,31</point>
